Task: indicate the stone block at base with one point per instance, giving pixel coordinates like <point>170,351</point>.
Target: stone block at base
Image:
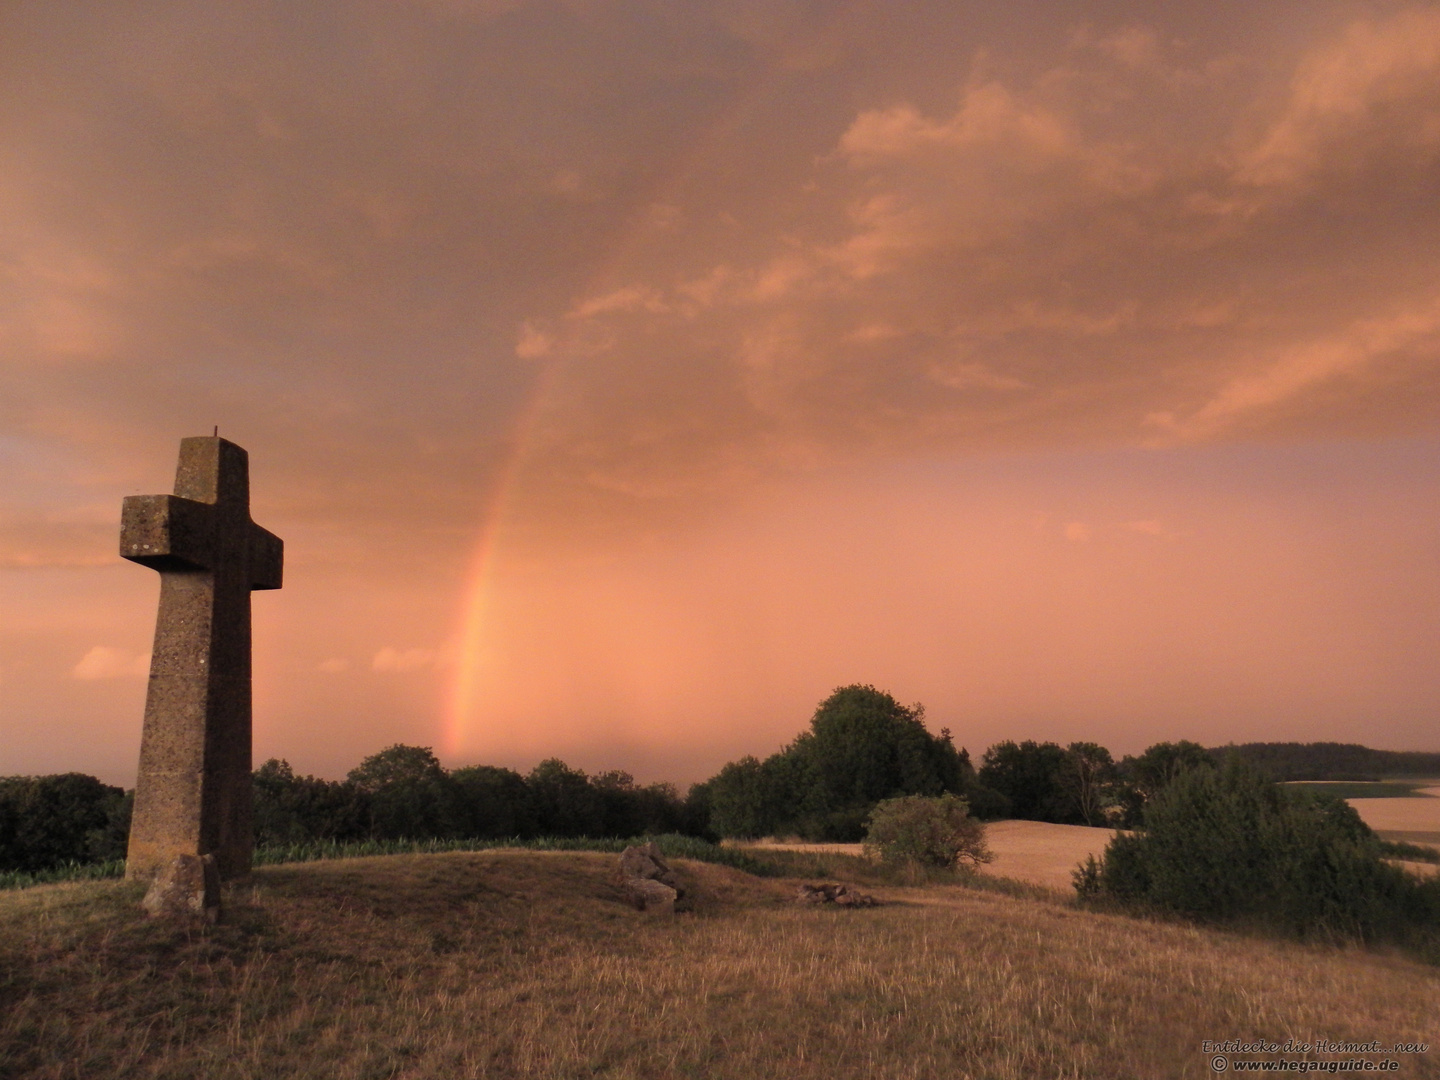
<point>651,896</point>
<point>188,886</point>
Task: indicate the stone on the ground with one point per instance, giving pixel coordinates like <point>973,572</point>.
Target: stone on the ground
<point>841,895</point>
<point>651,896</point>
<point>645,861</point>
<point>647,881</point>
<point>189,885</point>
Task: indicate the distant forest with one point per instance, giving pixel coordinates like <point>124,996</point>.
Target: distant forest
<point>1332,761</point>
<point>862,746</point>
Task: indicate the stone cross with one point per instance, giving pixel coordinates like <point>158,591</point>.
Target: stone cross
<point>193,793</point>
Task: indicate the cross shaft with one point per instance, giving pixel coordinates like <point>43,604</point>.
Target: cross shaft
<point>193,791</point>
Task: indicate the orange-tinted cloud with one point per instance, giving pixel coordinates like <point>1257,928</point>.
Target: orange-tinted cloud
<point>520,306</point>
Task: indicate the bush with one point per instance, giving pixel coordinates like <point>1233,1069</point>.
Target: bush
<point>931,831</point>
<point>1144,777</point>
<point>1229,845</point>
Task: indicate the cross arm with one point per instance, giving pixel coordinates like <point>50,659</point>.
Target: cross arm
<point>166,532</point>
<point>267,558</point>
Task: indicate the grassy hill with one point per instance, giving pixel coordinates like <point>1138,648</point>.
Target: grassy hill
<point>527,964</point>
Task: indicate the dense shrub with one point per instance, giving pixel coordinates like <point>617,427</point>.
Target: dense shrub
<point>1228,845</point>
<point>932,831</point>
<point>1142,778</point>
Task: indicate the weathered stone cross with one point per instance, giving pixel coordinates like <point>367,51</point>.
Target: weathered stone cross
<point>193,793</point>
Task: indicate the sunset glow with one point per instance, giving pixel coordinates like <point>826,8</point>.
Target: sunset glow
<point>624,377</point>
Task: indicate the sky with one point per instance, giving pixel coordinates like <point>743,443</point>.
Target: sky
<point>624,376</point>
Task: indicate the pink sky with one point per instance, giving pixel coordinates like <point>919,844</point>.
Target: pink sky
<point>624,376</point>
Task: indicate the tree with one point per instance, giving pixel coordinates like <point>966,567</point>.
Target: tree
<point>862,746</point>
<point>410,794</point>
<point>1229,845</point>
<point>737,801</point>
<point>47,821</point>
<point>493,802</point>
<point>1033,776</point>
<point>397,764</point>
<point>866,746</point>
<point>1088,778</point>
<point>565,802</point>
<point>1142,778</point>
<point>931,831</point>
<point>292,809</point>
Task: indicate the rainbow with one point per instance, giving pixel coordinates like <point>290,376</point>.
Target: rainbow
<point>462,712</point>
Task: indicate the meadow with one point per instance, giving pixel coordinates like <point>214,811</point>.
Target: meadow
<point>528,964</point>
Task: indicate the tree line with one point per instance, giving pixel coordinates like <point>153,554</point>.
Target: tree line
<point>1331,761</point>
<point>403,792</point>
<point>862,746</point>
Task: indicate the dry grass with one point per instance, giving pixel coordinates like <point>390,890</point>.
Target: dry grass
<point>528,965</point>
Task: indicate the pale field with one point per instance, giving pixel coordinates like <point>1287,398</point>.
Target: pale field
<point>1414,820</point>
<point>1035,852</point>
<point>529,965</point>
<point>1039,853</point>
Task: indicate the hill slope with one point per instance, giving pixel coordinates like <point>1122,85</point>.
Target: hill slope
<point>527,964</point>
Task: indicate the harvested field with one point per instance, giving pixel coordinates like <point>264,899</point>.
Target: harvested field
<point>1035,852</point>
<point>1413,820</point>
<point>1041,853</point>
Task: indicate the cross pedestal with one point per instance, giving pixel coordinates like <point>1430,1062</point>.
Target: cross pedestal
<point>193,793</point>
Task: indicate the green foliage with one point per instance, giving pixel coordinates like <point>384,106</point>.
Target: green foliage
<point>403,793</point>
<point>1366,789</point>
<point>1330,761</point>
<point>1141,778</point>
<point>932,831</point>
<point>49,821</point>
<point>493,802</point>
<point>69,871</point>
<point>862,746</point>
<point>292,809</point>
<point>1399,849</point>
<point>396,765</point>
<point>1228,845</point>
<point>1038,779</point>
<point>566,803</point>
<point>1088,780</point>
